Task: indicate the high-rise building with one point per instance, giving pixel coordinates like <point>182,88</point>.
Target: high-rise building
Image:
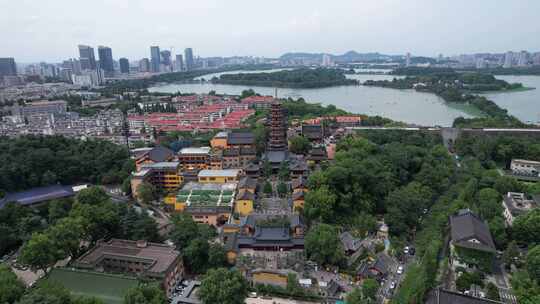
<point>166,57</point>
<point>408,60</point>
<point>8,67</point>
<point>508,60</point>
<point>523,59</point>
<point>155,58</point>
<point>179,63</point>
<point>106,60</point>
<point>536,59</point>
<point>87,58</point>
<point>327,60</point>
<point>188,55</point>
<point>72,64</point>
<point>124,65</point>
<point>144,65</point>
<point>481,63</point>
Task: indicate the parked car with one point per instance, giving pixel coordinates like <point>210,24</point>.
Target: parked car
<point>392,285</point>
<point>400,270</point>
<point>406,250</point>
<point>412,251</point>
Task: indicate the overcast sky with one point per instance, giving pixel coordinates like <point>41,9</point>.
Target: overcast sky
<point>50,30</point>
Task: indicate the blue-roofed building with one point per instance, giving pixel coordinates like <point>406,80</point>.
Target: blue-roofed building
<point>38,195</point>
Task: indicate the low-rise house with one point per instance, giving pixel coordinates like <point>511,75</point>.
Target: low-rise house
<point>442,296</point>
<point>298,168</point>
<point>265,233</point>
<point>40,195</point>
<point>350,243</point>
<point>378,269</point>
<point>313,133</point>
<point>194,158</point>
<point>219,176</point>
<point>156,155</point>
<point>316,156</point>
<point>247,183</point>
<point>298,200</point>
<point>471,243</point>
<point>253,170</point>
<point>525,167</point>
<point>164,175</point>
<point>139,258</point>
<point>244,202</point>
<point>516,204</point>
<point>299,184</point>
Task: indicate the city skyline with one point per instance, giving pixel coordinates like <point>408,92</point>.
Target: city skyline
<point>229,29</point>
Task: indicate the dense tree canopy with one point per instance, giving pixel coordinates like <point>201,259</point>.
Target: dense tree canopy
<point>32,161</point>
<point>299,78</point>
<point>11,289</point>
<point>323,245</point>
<point>223,286</point>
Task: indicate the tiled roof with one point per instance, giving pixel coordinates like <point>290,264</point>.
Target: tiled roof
<point>38,195</point>
<point>161,256</point>
<point>466,226</point>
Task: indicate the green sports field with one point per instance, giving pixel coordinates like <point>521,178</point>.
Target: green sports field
<point>109,288</point>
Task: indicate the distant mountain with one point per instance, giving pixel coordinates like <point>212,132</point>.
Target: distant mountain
<point>350,56</point>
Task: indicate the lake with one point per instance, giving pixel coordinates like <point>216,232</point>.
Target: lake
<point>402,105</point>
<point>525,105</point>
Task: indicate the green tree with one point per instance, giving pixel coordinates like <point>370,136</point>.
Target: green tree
<point>66,235</point>
<point>284,171</point>
<point>320,205</point>
<point>11,289</point>
<point>267,188</point>
<point>92,196</point>
<point>282,189</point>
<point>217,256</point>
<point>223,286</point>
<point>492,292</point>
<point>184,230</point>
<point>533,263</point>
<point>40,252</point>
<point>511,253</point>
<point>363,224</point>
<point>498,231</point>
<point>526,227</point>
<point>145,294</point>
<point>369,289</point>
<point>355,297</point>
<point>146,192</point>
<point>267,169</point>
<point>196,255</point>
<point>47,293</point>
<point>58,209</point>
<point>489,203</point>
<point>299,145</point>
<point>323,245</point>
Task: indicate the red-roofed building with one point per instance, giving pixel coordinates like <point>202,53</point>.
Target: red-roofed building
<point>258,102</point>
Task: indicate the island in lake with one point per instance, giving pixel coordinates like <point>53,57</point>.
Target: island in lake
<point>298,78</point>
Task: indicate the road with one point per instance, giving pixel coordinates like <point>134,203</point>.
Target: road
<point>384,291</point>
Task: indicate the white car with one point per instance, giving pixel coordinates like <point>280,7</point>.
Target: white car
<point>392,285</point>
<point>406,250</point>
<point>400,270</point>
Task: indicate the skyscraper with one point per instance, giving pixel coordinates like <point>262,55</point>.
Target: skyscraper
<point>106,60</point>
<point>87,58</point>
<point>408,60</point>
<point>523,59</point>
<point>144,65</point>
<point>508,58</point>
<point>7,67</point>
<point>155,58</point>
<point>179,63</point>
<point>188,55</point>
<point>124,65</point>
<point>166,57</point>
